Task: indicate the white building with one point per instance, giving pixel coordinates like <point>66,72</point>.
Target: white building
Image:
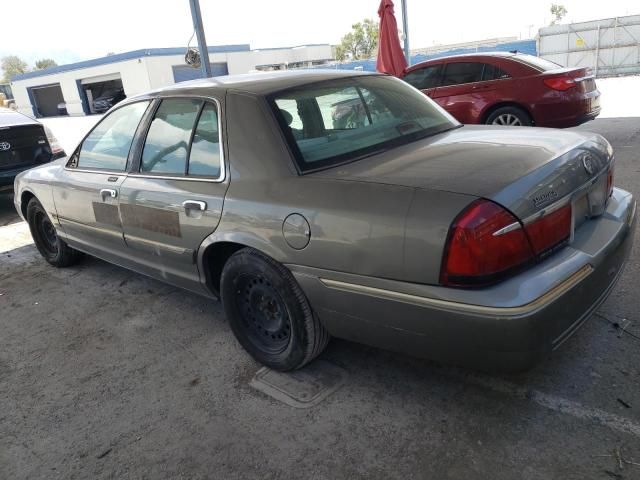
<point>39,93</point>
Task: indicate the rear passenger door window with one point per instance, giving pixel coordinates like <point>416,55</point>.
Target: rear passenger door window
<point>205,156</point>
<point>167,144</point>
<point>459,73</point>
<point>424,78</point>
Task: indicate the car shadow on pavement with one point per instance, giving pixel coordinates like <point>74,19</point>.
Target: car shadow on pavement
<point>8,214</point>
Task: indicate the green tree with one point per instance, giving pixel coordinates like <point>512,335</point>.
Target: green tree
<point>360,42</point>
<point>45,63</point>
<point>12,65</point>
<point>559,12</point>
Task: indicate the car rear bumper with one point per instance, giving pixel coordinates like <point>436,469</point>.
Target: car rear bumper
<point>7,177</point>
<point>506,327</point>
<point>568,111</point>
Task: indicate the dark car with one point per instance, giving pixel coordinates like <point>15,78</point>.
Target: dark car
<point>107,100</point>
<point>508,89</point>
<point>24,143</point>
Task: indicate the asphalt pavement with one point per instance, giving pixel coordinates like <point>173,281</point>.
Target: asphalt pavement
<point>105,373</point>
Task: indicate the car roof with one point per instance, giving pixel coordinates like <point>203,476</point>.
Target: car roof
<point>10,117</point>
<point>475,55</point>
<point>261,83</point>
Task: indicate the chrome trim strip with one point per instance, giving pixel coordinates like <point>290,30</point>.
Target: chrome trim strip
<point>105,231</point>
<point>111,173</point>
<point>566,199</point>
<point>528,308</point>
<point>156,245</point>
<point>586,77</point>
<point>509,228</point>
<point>632,214</point>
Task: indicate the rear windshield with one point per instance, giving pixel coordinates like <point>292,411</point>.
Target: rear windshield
<point>537,62</point>
<point>337,121</point>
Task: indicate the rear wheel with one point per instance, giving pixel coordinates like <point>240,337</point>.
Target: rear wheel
<point>268,312</point>
<point>509,117</point>
<point>51,247</point>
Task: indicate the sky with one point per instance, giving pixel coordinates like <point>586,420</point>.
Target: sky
<point>73,30</point>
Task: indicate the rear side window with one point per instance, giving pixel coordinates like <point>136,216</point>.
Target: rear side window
<point>462,72</point>
<point>423,78</point>
<point>166,147</point>
<point>491,72</point>
<point>107,146</point>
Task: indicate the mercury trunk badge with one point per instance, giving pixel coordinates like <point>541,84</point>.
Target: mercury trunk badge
<point>587,162</point>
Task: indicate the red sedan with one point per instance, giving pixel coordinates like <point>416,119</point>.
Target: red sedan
<point>508,89</point>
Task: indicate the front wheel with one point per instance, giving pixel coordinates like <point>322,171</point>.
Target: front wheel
<point>509,117</point>
<point>269,313</point>
<point>51,247</point>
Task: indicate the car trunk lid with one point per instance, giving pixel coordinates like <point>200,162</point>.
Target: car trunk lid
<point>523,169</point>
<point>23,145</point>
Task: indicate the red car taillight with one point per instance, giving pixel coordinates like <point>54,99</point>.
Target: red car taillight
<point>550,230</point>
<point>560,83</point>
<point>481,249</point>
<point>486,243</point>
<point>610,181</point>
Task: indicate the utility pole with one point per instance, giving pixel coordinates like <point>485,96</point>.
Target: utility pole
<point>405,30</point>
<point>203,49</point>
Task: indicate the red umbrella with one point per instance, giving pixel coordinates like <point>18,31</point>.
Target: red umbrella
<point>390,55</point>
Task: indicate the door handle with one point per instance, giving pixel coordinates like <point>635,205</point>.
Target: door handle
<point>194,205</point>
<point>108,192</point>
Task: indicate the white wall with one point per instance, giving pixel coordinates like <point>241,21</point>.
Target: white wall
<point>133,74</point>
<point>149,72</point>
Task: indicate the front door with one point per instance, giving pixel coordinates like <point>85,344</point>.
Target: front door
<point>173,200</point>
<point>86,197</point>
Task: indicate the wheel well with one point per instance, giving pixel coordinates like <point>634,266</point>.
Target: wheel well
<point>214,259</point>
<point>24,201</point>
<point>495,107</point>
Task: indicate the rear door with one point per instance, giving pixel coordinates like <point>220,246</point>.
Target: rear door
<point>86,197</point>
<point>460,89</point>
<point>172,200</point>
<point>425,79</point>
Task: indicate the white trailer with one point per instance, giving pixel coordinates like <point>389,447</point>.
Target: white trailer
<point>610,47</point>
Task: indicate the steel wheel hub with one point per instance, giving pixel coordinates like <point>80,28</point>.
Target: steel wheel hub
<point>264,314</point>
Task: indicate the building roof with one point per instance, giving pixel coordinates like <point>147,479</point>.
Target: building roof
<point>120,57</point>
<point>149,52</point>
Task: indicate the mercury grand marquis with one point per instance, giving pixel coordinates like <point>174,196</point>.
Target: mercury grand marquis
<point>346,204</point>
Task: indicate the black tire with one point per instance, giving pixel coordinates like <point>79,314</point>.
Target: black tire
<point>51,247</point>
<point>509,116</point>
<point>269,313</point>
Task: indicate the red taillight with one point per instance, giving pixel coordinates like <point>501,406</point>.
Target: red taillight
<point>485,243</point>
<point>610,181</point>
<point>550,230</point>
<point>560,83</point>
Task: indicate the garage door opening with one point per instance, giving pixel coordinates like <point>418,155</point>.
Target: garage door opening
<point>99,94</point>
<point>47,100</point>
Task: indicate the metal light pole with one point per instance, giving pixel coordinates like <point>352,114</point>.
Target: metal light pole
<point>405,30</point>
<point>205,66</point>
